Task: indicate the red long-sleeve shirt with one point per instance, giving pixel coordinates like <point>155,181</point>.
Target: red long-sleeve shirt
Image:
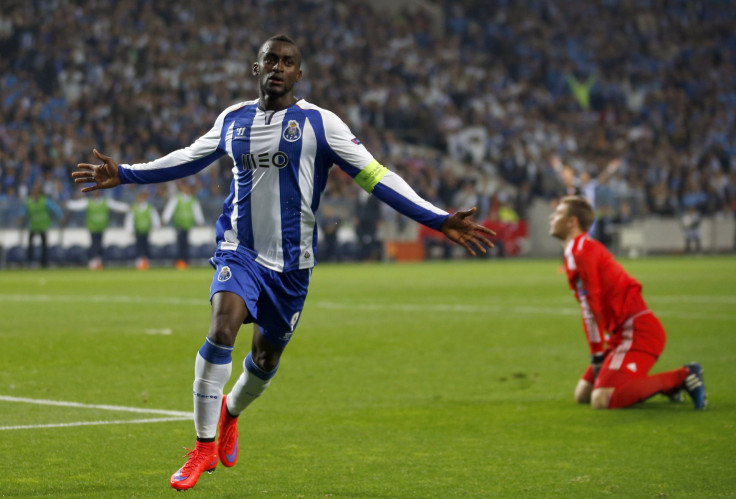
<point>608,295</point>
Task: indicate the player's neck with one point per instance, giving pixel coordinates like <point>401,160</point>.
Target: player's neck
<point>574,233</point>
<point>276,104</point>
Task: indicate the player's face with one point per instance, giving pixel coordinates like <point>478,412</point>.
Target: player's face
<point>278,69</point>
<point>559,222</point>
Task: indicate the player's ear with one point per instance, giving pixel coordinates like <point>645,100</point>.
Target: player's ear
<point>299,75</point>
<point>255,69</point>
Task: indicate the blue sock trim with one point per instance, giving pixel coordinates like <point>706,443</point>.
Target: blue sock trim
<point>257,371</point>
<point>216,354</point>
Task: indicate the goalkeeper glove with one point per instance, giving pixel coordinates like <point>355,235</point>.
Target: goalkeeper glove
<point>596,361</point>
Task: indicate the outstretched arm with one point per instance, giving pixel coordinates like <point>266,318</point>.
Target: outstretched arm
<point>104,176</point>
<point>459,228</point>
<point>611,168</point>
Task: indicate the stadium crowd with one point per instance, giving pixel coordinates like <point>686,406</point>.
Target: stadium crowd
<point>473,102</point>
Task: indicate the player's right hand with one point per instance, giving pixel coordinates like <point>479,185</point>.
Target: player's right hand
<point>104,175</point>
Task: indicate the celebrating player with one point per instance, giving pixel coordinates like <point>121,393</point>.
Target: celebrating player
<point>625,337</point>
<point>282,149</point>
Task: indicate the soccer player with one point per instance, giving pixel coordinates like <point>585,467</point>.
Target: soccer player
<point>282,149</point>
<point>624,336</point>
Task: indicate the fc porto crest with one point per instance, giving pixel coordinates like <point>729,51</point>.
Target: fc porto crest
<point>292,132</point>
<point>225,274</point>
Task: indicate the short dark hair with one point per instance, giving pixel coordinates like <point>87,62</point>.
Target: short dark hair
<point>285,39</point>
<point>580,208</point>
<point>282,38</point>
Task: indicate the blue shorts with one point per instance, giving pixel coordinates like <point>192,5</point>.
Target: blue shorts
<point>274,299</point>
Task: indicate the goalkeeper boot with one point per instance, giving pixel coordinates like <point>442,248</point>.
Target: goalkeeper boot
<point>227,436</point>
<point>695,386</point>
<point>202,458</point>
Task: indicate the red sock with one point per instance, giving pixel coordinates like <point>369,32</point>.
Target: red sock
<point>639,389</point>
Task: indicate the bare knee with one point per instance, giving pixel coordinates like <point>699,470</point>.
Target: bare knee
<point>600,398</point>
<point>228,314</point>
<point>223,332</point>
<point>264,354</point>
<point>583,391</point>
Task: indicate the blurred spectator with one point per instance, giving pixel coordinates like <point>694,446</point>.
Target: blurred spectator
<point>466,197</point>
<point>506,212</point>
<point>625,214</point>
<point>184,211</point>
<point>97,219</point>
<point>330,223</point>
<point>39,212</point>
<point>523,200</point>
<point>367,220</point>
<point>604,228</point>
<point>493,222</point>
<point>691,221</point>
<point>140,220</point>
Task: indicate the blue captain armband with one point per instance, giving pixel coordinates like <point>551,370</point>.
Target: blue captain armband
<point>369,176</point>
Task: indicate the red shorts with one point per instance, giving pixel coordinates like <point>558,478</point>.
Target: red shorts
<point>635,347</point>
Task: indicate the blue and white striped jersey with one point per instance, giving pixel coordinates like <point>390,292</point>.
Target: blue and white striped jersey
<point>280,164</point>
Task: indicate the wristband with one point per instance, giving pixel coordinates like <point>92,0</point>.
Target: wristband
<point>596,361</point>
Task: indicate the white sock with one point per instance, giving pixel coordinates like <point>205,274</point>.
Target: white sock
<point>212,369</point>
<point>250,385</point>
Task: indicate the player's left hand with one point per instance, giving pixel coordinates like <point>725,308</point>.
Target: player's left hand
<point>459,228</point>
<point>596,361</point>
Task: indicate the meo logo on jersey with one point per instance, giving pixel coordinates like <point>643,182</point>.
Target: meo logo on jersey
<point>292,132</point>
<point>225,274</point>
<point>279,159</point>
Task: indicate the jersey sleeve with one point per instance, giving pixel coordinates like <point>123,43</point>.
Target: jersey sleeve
<point>180,163</point>
<point>589,294</point>
<point>353,158</point>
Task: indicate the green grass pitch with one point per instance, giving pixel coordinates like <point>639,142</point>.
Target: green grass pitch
<point>403,380</point>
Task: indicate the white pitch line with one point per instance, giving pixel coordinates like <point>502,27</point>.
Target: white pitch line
<point>118,408</point>
<point>728,300</point>
<point>500,309</point>
<point>724,299</point>
<point>105,299</point>
<point>444,307</point>
<point>405,307</point>
<point>91,423</point>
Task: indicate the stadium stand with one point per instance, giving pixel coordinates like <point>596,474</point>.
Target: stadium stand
<point>448,93</point>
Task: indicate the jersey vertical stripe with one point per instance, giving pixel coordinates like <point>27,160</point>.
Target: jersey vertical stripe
<point>241,215</point>
<point>323,157</point>
<point>265,193</point>
<point>292,138</point>
<point>627,335</point>
<point>224,222</point>
<point>307,222</point>
<point>323,161</point>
